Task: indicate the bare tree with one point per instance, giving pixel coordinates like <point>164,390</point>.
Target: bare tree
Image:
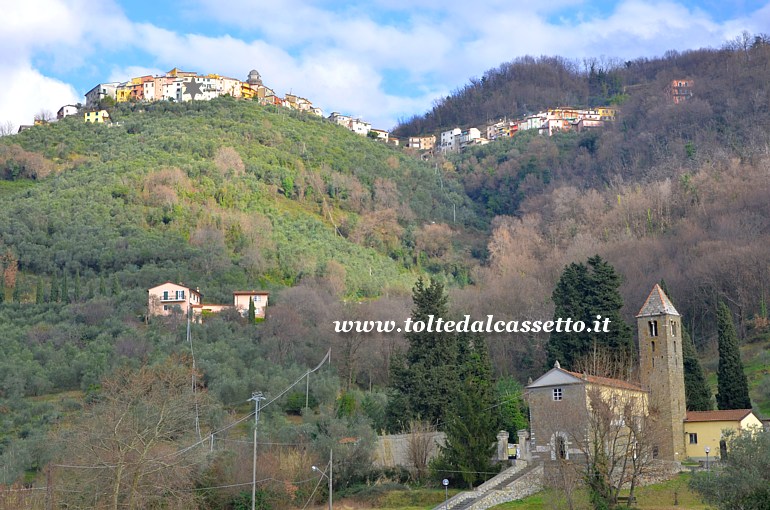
<point>421,447</point>
<point>131,447</point>
<point>7,128</point>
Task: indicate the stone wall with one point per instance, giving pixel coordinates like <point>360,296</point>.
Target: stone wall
<point>393,450</point>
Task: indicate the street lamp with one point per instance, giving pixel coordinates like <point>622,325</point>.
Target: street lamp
<point>328,476</point>
<point>445,483</point>
<point>708,450</point>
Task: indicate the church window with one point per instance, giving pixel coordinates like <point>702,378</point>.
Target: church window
<point>652,344</point>
<point>557,394</point>
<point>673,328</point>
<point>653,325</point>
<point>561,447</point>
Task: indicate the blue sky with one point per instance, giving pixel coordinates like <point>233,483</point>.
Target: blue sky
<point>381,59</point>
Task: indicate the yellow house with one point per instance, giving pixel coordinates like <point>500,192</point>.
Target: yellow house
<point>704,429</point>
<point>97,116</point>
<point>606,113</point>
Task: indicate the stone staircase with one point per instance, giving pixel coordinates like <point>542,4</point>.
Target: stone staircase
<point>516,482</point>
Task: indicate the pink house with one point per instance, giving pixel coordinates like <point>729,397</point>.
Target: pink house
<point>169,297</point>
<point>241,300</point>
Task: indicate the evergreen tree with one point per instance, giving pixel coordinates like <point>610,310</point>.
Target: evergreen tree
<point>252,315</point>
<point>582,293</point>
<point>696,389</point>
<point>102,286</point>
<point>732,386</point>
<point>39,290</point>
<point>115,285</point>
<point>471,428</point>
<point>54,289</point>
<point>2,289</point>
<point>65,289</point>
<point>76,288</point>
<point>424,381</point>
<point>16,295</point>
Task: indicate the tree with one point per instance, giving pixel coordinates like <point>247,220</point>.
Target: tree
<point>424,380</point>
<point>54,289</point>
<point>471,428</point>
<point>742,482</point>
<point>39,292</point>
<point>65,290</point>
<point>696,389</point>
<point>134,437</point>
<point>582,293</point>
<point>732,386</point>
<point>252,315</point>
<point>513,410</point>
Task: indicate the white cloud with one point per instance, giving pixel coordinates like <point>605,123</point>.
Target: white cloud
<point>28,92</point>
<point>340,55</point>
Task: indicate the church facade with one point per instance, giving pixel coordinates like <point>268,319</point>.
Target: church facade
<point>567,407</point>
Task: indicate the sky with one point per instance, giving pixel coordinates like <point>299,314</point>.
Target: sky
<point>381,60</point>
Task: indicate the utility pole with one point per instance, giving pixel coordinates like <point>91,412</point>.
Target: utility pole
<point>331,453</point>
<point>257,397</point>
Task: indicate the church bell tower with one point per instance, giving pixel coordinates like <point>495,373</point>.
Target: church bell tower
<point>662,371</point>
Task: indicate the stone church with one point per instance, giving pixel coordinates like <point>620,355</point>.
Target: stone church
<point>562,402</point>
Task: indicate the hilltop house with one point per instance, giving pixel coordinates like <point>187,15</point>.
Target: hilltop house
<point>168,298</point>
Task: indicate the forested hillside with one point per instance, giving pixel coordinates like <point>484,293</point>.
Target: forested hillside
<point>229,195</point>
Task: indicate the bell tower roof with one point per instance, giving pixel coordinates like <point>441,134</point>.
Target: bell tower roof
<point>657,303</point>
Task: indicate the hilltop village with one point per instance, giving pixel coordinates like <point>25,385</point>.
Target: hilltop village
<point>181,86</point>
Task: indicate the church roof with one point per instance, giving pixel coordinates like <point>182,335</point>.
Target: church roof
<point>607,381</point>
<point>722,415</point>
<point>657,304</point>
<point>557,376</point>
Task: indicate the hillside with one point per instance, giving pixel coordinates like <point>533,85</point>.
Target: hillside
<point>223,195</point>
<point>229,195</point>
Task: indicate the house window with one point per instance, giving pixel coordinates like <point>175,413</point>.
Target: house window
<point>653,325</point>
<point>165,295</point>
<point>180,294</point>
<point>257,299</point>
<point>693,438</point>
<point>166,308</point>
<point>557,394</point>
<point>655,452</point>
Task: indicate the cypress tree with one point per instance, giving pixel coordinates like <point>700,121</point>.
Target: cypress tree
<point>252,315</point>
<point>54,289</point>
<point>2,288</point>
<point>76,288</point>
<point>16,295</point>
<point>102,286</point>
<point>732,386</point>
<point>115,285</point>
<point>39,297</point>
<point>582,293</point>
<point>65,289</point>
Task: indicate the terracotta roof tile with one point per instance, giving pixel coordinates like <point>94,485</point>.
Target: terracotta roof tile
<point>606,381</point>
<point>725,415</point>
